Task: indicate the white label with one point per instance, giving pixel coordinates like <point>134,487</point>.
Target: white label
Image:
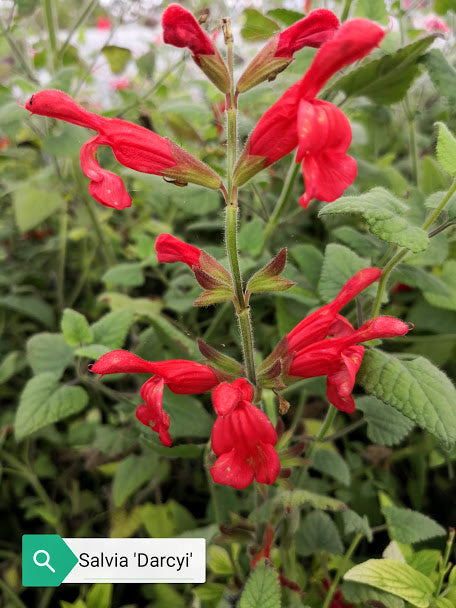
<point>138,560</point>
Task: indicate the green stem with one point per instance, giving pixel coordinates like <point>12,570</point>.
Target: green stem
<point>435,214</point>
<point>51,24</point>
<point>346,10</point>
<point>82,17</point>
<point>283,198</point>
<point>212,487</point>
<point>446,557</point>
<point>326,424</point>
<point>412,140</point>
<point>242,309</point>
<point>62,257</point>
<point>341,569</point>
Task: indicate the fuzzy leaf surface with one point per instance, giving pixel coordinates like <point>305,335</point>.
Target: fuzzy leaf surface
<point>262,588</point>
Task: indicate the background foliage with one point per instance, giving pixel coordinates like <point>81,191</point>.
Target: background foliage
<point>77,280</point>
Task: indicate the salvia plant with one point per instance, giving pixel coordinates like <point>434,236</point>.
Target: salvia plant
<point>290,520</point>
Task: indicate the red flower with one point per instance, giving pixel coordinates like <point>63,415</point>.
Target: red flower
<point>313,31</point>
<point>103,23</point>
<point>319,129</point>
<point>181,29</point>
<point>180,376</point>
<point>242,438</point>
<point>171,249</point>
<point>133,146</point>
<point>326,344</point>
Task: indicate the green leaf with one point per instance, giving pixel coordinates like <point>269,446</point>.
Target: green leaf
<point>340,264</point>
<point>251,237</point>
<point>49,353</point>
<point>376,11</point>
<point>178,451</point>
<point>354,523</point>
<point>416,388</point>
<point>75,328</point>
<point>187,415</point>
<point>146,63</point>
<point>143,307</point>
<point>388,79</point>
<point>174,336</point>
<point>425,561</point>
<point>332,464</point>
<point>219,560</point>
<point>417,277</point>
<point>318,532</point>
<point>357,592</point>
<point>441,73</point>
<point>385,424</point>
<point>262,588</point>
<point>92,351</point>
<point>100,595</point>
<point>112,329</point>
<point>446,149</point>
<point>126,275</point>
<point>441,7</point>
<point>10,365</point>
<point>131,474</point>
<point>209,592</point>
<point>407,526</point>
<point>30,306</point>
<point>448,277</point>
<point>434,200</point>
<point>286,16</point>
<point>382,211</point>
<point>43,402</point>
<point>394,577</point>
<point>442,602</point>
<point>257,26</point>
<point>158,520</point>
<point>25,7</point>
<point>298,498</point>
<point>32,205</point>
<point>117,57</point>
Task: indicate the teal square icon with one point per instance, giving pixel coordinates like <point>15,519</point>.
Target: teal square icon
<point>46,560</point>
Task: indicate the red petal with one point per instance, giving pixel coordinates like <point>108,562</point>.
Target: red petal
<point>105,187</point>
<point>266,464</point>
<point>171,249</point>
<point>185,377</point>
<point>327,176</point>
<point>354,40</point>
<point>340,383</point>
<point>56,104</point>
<point>318,27</point>
<point>232,470</point>
<point>225,398</point>
<point>181,29</point>
<point>151,414</point>
<point>121,361</point>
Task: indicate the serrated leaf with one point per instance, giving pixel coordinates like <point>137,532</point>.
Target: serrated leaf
<point>126,275</point>
<point>48,352</point>
<point>357,592</point>
<point>388,79</point>
<point>112,329</point>
<point>382,210</point>
<point>376,11</point>
<point>407,526</point>
<point>354,523</point>
<point>75,328</point>
<point>262,588</point>
<point>30,306</point>
<point>332,464</point>
<point>416,388</point>
<point>117,57</point>
<point>43,402</point>
<point>441,73</point>
<point>257,26</point>
<point>446,149</point>
<point>394,577</point>
<point>318,532</point>
<point>132,473</point>
<point>339,264</point>
<point>32,206</point>
<point>385,424</point>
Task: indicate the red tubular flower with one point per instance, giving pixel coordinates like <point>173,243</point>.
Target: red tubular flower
<point>133,146</point>
<point>319,129</point>
<point>313,31</point>
<point>326,344</point>
<point>243,438</point>
<point>171,249</point>
<point>181,29</point>
<point>180,376</point>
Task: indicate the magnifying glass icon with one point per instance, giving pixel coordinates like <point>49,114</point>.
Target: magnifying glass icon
<point>46,559</point>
